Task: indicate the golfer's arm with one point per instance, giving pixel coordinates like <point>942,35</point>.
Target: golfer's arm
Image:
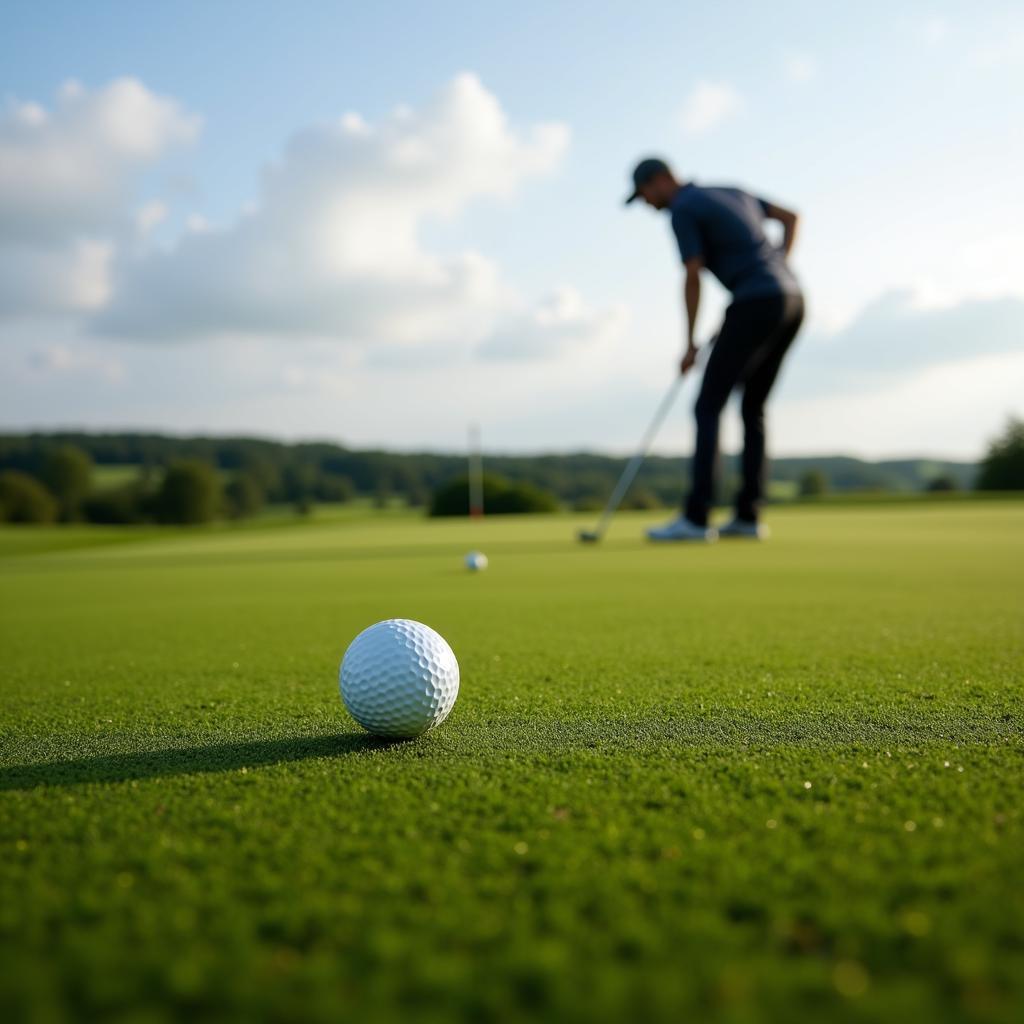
<point>691,295</point>
<point>789,221</point>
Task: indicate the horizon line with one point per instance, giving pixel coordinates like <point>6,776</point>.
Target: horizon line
<point>457,452</point>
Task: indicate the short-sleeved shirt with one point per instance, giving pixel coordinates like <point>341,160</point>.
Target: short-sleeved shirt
<point>725,226</point>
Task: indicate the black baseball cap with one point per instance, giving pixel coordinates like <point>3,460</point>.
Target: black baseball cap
<point>648,168</point>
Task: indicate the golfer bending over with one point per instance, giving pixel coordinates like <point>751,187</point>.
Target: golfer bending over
<point>722,229</point>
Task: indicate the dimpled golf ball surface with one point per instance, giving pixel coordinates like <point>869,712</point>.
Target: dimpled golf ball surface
<point>399,678</point>
<point>476,561</point>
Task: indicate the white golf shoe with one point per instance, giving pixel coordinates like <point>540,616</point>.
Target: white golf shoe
<point>744,529</point>
<point>682,529</point>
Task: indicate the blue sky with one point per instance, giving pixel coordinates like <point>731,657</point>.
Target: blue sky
<point>236,255</point>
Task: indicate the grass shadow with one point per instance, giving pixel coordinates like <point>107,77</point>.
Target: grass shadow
<point>216,757</point>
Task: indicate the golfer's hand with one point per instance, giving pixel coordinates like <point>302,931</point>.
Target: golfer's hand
<point>689,358</point>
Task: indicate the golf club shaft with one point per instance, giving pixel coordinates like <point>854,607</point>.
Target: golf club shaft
<point>633,466</point>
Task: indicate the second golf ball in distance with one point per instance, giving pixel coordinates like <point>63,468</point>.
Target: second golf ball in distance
<point>399,678</point>
<point>476,561</point>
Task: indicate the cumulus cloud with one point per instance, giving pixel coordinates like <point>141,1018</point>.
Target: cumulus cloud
<point>69,278</point>
<point>708,105</point>
<point>67,171</point>
<point>894,338</point>
<point>332,247</point>
<point>67,181</point>
<point>948,410</point>
<point>69,360</point>
<point>855,390</point>
<point>559,323</point>
<point>329,251</point>
<point>149,215</point>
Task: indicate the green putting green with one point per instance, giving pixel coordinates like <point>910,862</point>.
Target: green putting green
<point>737,782</point>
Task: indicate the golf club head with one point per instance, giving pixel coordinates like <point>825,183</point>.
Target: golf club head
<point>588,536</point>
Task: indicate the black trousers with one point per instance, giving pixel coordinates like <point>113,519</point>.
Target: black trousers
<point>750,348</point>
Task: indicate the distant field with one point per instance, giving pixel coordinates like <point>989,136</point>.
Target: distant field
<point>739,783</point>
<point>105,478</point>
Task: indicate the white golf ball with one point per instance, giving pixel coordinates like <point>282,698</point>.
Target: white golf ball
<point>399,678</point>
<point>476,561</point>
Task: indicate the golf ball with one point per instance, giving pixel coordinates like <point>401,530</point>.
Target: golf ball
<point>476,561</point>
<point>399,678</point>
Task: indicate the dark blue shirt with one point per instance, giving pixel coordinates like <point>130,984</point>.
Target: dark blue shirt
<point>725,226</point>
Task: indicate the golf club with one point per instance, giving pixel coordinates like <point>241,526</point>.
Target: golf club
<point>634,464</point>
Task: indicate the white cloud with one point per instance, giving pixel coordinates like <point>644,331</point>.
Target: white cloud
<point>197,224</point>
<point>71,360</point>
<point>709,104</point>
<point>900,335</point>
<point>949,409</point>
<point>903,380</point>
<point>559,323</point>
<point>68,178</point>
<point>73,277</point>
<point>68,171</point>
<point>800,68</point>
<point>149,215</point>
<point>332,247</point>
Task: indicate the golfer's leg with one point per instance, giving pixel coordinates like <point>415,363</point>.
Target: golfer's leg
<point>755,393</point>
<point>705,456</point>
<point>721,375</point>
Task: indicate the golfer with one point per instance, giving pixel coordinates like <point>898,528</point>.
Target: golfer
<point>722,230</point>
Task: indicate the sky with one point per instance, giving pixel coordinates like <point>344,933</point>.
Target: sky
<point>379,224</point>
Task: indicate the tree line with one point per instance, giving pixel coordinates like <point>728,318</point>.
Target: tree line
<point>59,477</point>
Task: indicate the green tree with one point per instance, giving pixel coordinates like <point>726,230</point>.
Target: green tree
<point>500,498</point>
<point>67,472</point>
<point>263,471</point>
<point>452,498</point>
<point>190,493</point>
<point>299,483</point>
<point>417,496</point>
<point>522,497</point>
<point>589,503</point>
<point>23,499</point>
<point>334,487</point>
<point>243,495</point>
<point>1002,469</point>
<point>643,498</point>
<point>382,492</point>
<point>813,483</point>
<point>118,505</point>
<point>940,483</point>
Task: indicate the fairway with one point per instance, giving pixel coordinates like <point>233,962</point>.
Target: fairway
<point>732,782</point>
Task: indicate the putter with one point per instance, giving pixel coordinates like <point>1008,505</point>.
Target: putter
<point>634,464</point>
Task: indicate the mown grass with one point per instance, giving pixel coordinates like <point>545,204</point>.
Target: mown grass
<point>737,783</point>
